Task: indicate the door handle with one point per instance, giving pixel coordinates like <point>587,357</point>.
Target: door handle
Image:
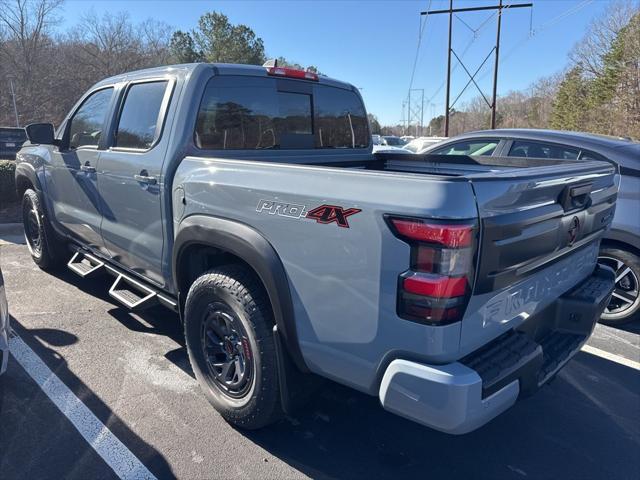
<point>146,179</point>
<point>88,168</point>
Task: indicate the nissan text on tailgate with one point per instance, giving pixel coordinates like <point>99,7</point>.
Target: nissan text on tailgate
<point>248,200</point>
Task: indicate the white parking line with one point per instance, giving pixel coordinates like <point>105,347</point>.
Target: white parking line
<point>611,356</point>
<point>124,463</point>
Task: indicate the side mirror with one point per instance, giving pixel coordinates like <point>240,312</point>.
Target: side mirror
<point>40,133</point>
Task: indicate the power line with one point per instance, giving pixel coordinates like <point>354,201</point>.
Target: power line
<point>415,60</point>
<point>407,101</point>
<point>451,11</point>
<point>535,31</point>
<point>464,52</point>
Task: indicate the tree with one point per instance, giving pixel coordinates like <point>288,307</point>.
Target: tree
<point>183,49</point>
<point>590,52</point>
<point>374,123</point>
<point>25,53</point>
<point>111,44</point>
<point>217,40</point>
<point>569,108</point>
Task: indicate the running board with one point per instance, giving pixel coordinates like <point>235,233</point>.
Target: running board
<point>132,294</point>
<point>85,264</point>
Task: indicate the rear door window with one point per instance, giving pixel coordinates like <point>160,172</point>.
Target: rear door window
<point>87,123</point>
<point>260,113</point>
<point>521,148</point>
<point>137,126</point>
<point>468,147</point>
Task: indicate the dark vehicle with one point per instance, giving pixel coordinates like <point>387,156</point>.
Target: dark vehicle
<point>11,140</point>
<point>620,248</point>
<point>248,200</point>
<point>4,327</point>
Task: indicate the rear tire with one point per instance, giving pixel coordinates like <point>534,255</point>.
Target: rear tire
<point>229,335</point>
<point>625,302</point>
<point>46,248</point>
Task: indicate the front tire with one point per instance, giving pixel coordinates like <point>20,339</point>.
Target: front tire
<point>46,249</point>
<point>229,335</point>
<point>624,306</point>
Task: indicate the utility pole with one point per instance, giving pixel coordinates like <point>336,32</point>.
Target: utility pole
<point>500,7</point>
<point>15,107</point>
<point>495,70</point>
<point>421,113</point>
<point>415,115</point>
<point>446,114</point>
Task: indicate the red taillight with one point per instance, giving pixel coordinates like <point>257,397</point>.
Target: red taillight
<point>292,73</point>
<point>454,236</point>
<point>436,288</point>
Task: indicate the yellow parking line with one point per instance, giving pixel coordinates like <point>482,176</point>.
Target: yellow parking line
<point>611,356</point>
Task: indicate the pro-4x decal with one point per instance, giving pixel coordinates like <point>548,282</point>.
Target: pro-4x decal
<point>324,214</point>
<point>332,213</point>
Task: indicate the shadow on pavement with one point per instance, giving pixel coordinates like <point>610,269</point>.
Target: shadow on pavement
<point>632,327</point>
<point>586,424</point>
<point>28,414</point>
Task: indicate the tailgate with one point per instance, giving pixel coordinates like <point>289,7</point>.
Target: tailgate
<point>540,232</point>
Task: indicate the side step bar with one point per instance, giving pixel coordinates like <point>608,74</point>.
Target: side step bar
<point>85,264</point>
<point>132,294</point>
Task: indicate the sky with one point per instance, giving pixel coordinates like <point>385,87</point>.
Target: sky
<point>373,44</point>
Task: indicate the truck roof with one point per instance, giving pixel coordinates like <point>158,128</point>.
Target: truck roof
<point>583,138</point>
<point>186,69</point>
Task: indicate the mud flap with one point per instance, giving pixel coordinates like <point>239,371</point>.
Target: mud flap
<point>296,387</point>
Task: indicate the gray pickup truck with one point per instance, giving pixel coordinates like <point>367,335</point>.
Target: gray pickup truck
<point>248,200</point>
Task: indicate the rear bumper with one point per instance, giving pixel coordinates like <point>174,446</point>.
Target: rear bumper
<point>462,396</point>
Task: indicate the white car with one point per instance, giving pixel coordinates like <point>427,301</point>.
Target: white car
<point>420,144</point>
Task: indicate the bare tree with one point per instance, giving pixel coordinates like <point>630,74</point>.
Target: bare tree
<point>25,44</point>
<point>590,52</point>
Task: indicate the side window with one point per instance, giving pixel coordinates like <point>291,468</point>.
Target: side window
<point>87,123</point>
<point>542,150</point>
<point>468,147</point>
<point>587,155</point>
<point>139,116</point>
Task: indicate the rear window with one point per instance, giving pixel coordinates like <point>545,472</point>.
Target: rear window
<point>252,113</point>
<point>12,135</point>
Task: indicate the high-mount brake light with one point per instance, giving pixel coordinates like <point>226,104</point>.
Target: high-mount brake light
<point>436,288</point>
<point>292,73</point>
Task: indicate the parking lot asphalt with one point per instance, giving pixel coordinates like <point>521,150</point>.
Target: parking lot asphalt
<point>132,373</point>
